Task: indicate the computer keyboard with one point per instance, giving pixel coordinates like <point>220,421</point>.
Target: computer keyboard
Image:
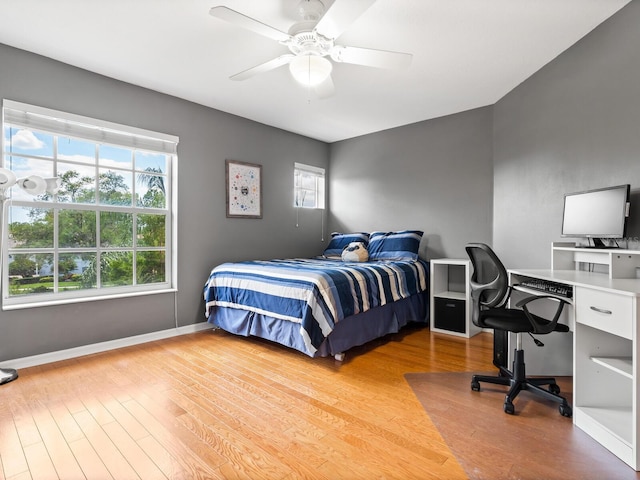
<point>547,286</point>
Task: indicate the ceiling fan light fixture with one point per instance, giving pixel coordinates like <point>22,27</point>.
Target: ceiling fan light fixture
<point>310,70</point>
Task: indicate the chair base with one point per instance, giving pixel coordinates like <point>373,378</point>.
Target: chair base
<point>517,381</point>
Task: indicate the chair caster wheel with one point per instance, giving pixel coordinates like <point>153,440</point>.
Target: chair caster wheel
<point>554,388</point>
<point>509,408</point>
<point>475,386</point>
<point>565,410</point>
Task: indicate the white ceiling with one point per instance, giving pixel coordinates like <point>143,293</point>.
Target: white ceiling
<point>466,54</point>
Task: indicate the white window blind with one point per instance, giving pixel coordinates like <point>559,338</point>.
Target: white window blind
<point>99,131</point>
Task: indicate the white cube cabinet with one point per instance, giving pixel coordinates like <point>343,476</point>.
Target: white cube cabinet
<point>451,298</point>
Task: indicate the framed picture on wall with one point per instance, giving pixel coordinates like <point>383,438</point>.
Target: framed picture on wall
<point>244,189</point>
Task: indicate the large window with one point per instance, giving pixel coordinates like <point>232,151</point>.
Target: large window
<point>109,230</point>
<point>308,186</point>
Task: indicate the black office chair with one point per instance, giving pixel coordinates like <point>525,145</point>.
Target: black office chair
<point>490,292</point>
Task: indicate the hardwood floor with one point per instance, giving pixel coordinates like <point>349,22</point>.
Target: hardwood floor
<point>211,405</point>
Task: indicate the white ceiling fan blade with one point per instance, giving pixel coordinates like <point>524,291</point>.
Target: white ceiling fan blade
<point>340,16</point>
<point>248,23</point>
<point>325,89</point>
<point>263,67</point>
<point>371,58</point>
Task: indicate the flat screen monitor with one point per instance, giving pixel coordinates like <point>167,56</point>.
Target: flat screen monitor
<point>596,214</point>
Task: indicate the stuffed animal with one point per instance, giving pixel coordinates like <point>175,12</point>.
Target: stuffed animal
<point>355,252</point>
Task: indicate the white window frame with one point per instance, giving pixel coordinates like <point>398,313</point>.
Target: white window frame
<point>318,189</point>
<point>100,132</point>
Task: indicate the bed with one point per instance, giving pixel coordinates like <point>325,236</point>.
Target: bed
<point>324,306</point>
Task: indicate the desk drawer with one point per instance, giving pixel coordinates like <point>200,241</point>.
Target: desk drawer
<point>605,311</point>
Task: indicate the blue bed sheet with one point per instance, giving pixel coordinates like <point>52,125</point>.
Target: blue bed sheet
<point>315,294</point>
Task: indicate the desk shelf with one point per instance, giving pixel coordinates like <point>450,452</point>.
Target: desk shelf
<point>611,427</point>
<point>614,420</point>
<point>620,263</point>
<point>621,365</point>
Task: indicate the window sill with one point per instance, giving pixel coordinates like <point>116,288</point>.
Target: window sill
<point>66,301</point>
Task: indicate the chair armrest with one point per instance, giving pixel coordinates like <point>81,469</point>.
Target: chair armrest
<point>537,326</point>
<point>531,298</point>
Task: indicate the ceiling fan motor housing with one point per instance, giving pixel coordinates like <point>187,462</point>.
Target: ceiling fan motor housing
<point>308,42</point>
<point>304,40</point>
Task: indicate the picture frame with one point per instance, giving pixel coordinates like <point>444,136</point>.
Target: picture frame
<point>244,189</point>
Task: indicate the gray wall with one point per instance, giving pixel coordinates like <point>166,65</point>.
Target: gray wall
<point>573,126</point>
<point>435,176</point>
<point>494,174</point>
<point>205,236</point>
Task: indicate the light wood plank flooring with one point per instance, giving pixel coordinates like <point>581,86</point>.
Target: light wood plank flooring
<point>212,405</point>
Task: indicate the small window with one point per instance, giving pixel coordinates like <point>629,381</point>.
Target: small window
<point>309,186</point>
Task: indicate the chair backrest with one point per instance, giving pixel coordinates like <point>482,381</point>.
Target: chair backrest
<point>489,280</point>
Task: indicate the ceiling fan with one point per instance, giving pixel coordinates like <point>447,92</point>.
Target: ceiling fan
<point>312,39</point>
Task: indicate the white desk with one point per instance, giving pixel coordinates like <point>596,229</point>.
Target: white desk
<point>604,319</point>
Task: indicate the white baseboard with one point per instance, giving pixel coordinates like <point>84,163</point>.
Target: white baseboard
<point>41,359</point>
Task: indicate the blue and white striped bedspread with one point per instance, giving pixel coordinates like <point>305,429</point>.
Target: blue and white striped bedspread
<point>316,293</point>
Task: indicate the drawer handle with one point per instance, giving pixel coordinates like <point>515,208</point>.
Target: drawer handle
<point>601,310</point>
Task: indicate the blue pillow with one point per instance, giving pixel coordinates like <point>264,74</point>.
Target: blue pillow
<point>341,240</point>
<point>401,245</point>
